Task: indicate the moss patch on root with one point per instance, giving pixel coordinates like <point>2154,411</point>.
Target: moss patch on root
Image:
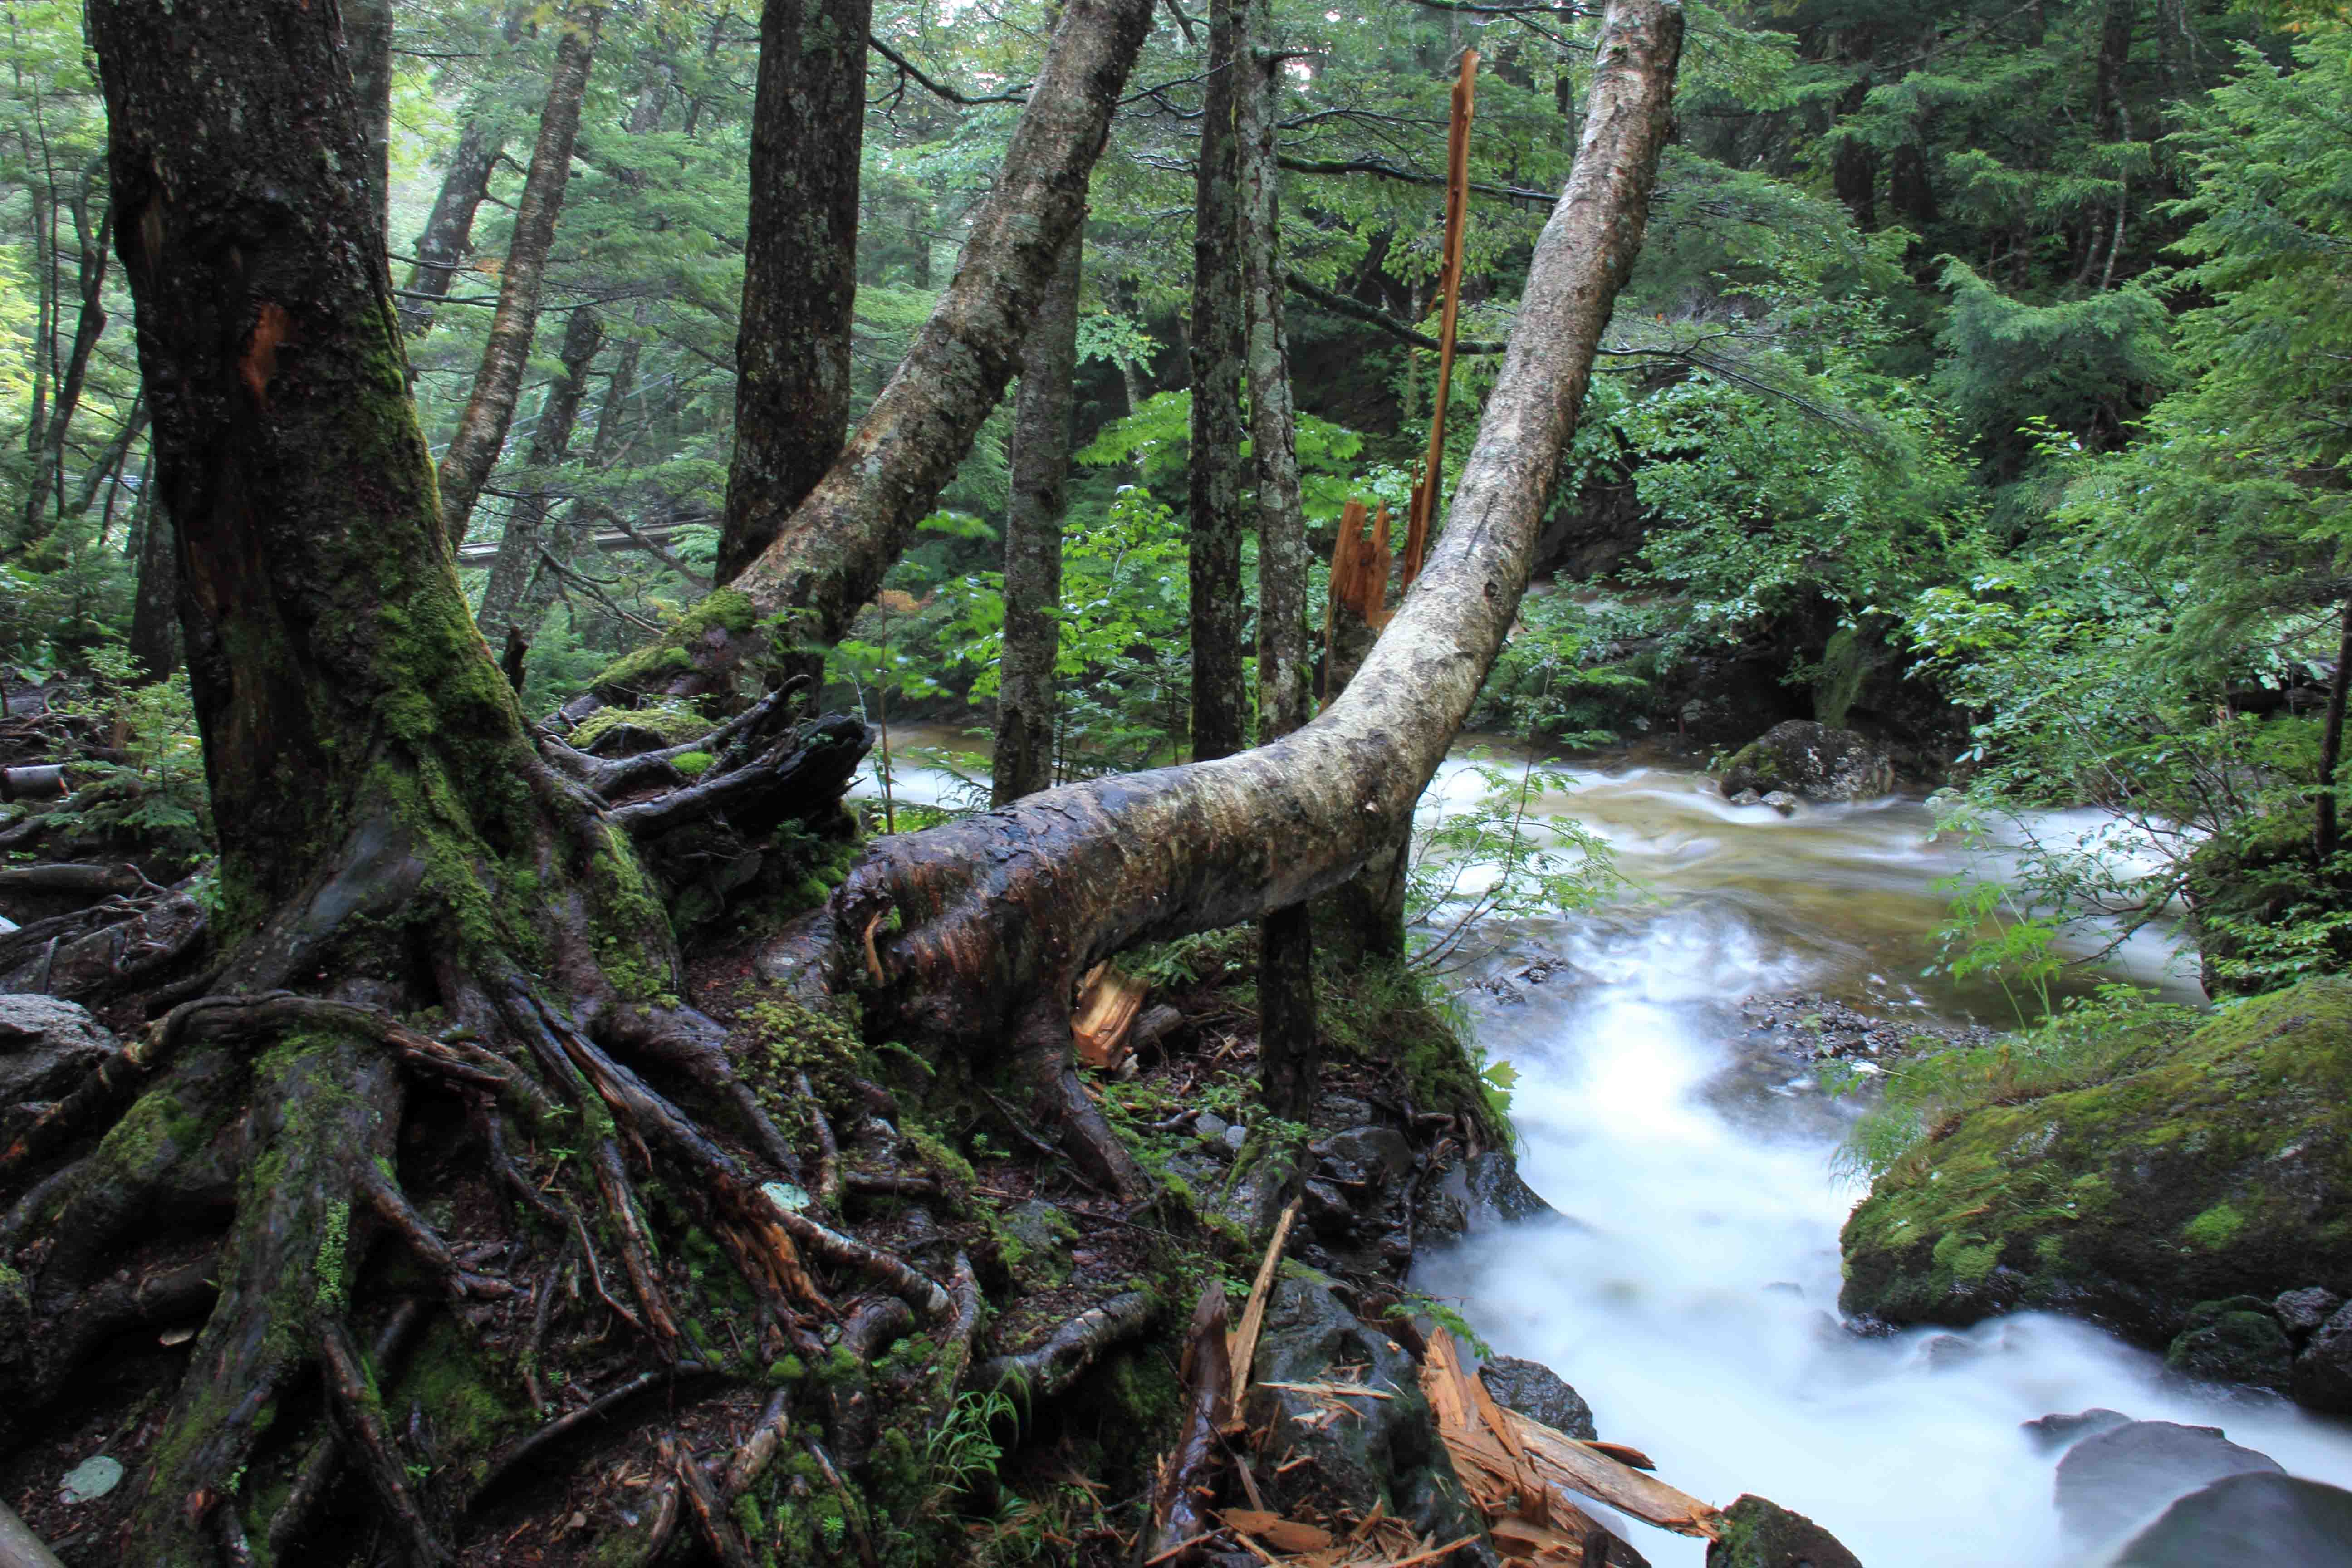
<point>2221,1166</point>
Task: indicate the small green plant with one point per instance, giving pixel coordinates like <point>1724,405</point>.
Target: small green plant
<point>1496,861</point>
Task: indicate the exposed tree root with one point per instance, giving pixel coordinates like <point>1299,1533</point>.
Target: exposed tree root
<point>324,1464</point>
<point>1052,1367</point>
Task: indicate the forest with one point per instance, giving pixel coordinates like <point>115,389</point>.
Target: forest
<point>1018,781</point>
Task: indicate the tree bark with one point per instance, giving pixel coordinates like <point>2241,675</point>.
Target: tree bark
<point>1023,762</point>
<point>48,436</point>
<point>518,560</point>
<point>1214,522</point>
<point>155,609</point>
<point>481,433</point>
<point>990,919</point>
<point>2324,836</point>
<point>800,268</point>
<point>367,36</point>
<point>1288,1061</point>
<point>831,556</point>
<point>448,235</point>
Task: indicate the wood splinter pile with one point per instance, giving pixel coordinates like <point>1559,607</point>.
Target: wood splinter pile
<point>1528,1480</point>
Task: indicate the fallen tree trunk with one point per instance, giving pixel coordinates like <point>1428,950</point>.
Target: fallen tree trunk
<point>986,923</point>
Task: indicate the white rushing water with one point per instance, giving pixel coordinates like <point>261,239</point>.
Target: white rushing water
<point>1691,1299</point>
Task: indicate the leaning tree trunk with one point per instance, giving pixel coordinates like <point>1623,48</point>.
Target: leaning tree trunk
<point>800,268</point>
<point>1288,1061</point>
<point>48,437</point>
<point>1215,526</point>
<point>1023,761</point>
<point>481,432</point>
<point>832,554</point>
<point>518,560</point>
<point>974,932</point>
<point>388,830</point>
<point>448,233</point>
<point>367,28</point>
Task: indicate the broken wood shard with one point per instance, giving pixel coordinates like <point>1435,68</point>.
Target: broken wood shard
<point>1108,1000</point>
<point>1457,213</point>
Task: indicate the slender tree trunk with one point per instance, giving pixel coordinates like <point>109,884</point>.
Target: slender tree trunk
<point>1288,1060</point>
<point>49,434</point>
<point>155,609</point>
<point>800,268</point>
<point>1024,759</point>
<point>517,560</point>
<point>2324,836</point>
<point>481,433</point>
<point>367,35</point>
<point>831,556</point>
<point>993,917</point>
<point>562,544</point>
<point>1214,524</point>
<point>448,233</point>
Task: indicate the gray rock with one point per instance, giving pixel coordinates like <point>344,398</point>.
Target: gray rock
<point>1373,1155</point>
<point>2322,1378</point>
<point>2301,1311</point>
<point>1382,1453</point>
<point>1810,761</point>
<point>1341,1111</point>
<point>1746,797</point>
<point>2053,1432</point>
<point>2251,1517</point>
<point>1761,1534</point>
<point>1036,1244</point>
<point>46,1046</point>
<point>2111,1484</point>
<point>1537,1392</point>
<point>1781,801</point>
<point>2228,1342</point>
<point>1234,1138</point>
<point>1210,1128</point>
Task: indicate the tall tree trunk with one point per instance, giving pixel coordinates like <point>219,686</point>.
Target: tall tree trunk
<point>517,560</point>
<point>448,235</point>
<point>1023,762</point>
<point>1214,524</point>
<point>49,435</point>
<point>992,919</point>
<point>367,36</point>
<point>831,556</point>
<point>1289,1060</point>
<point>481,433</point>
<point>561,545</point>
<point>2324,836</point>
<point>800,268</point>
<point>387,826</point>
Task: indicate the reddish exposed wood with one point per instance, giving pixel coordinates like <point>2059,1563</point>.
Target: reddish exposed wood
<point>1457,207</point>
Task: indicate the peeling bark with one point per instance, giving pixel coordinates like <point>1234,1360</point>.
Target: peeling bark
<point>1218,345</point>
<point>481,432</point>
<point>1023,762</point>
<point>800,268</point>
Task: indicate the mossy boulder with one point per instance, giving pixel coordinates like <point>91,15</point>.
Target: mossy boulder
<point>2218,1166</point>
<point>2237,1340</point>
<point>1810,760</point>
<point>1758,1534</point>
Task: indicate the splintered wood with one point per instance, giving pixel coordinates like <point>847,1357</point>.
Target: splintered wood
<point>1108,1000</point>
<point>1526,1477</point>
<point>1457,214</point>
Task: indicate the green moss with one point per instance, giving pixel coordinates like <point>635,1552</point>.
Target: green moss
<point>672,721</point>
<point>2214,1163</point>
<point>466,1399</point>
<point>334,1236</point>
<point>693,764</point>
<point>666,655</point>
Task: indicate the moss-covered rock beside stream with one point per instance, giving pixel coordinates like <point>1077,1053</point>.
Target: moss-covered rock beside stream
<point>2218,1166</point>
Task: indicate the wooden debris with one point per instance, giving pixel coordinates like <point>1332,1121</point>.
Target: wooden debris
<point>1108,1000</point>
<point>1457,212</point>
<point>1243,1349</point>
<point>1178,1514</point>
<point>1282,1534</point>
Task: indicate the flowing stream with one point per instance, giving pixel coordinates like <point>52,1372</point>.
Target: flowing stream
<point>1691,1294</point>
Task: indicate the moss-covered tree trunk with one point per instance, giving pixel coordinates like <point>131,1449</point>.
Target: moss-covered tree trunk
<point>1214,524</point>
<point>800,268</point>
<point>481,433</point>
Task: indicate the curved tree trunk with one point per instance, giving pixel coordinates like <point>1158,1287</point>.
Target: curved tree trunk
<point>996,916</point>
<point>481,433</point>
<point>800,268</point>
<point>517,562</point>
<point>1288,1061</point>
<point>1023,761</point>
<point>832,554</point>
<point>1214,522</point>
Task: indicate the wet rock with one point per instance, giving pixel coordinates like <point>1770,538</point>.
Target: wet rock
<point>2254,1517</point>
<point>1537,1392</point>
<point>1944,1352</point>
<point>2322,1378</point>
<point>2110,1484</point>
<point>2234,1341</point>
<point>1035,1242</point>
<point>2221,1166</point>
<point>1746,797</point>
<point>2052,1432</point>
<point>1374,1156</point>
<point>1328,1209</point>
<point>1812,761</point>
<point>1781,801</point>
<point>1210,1128</point>
<point>46,1046</point>
<point>1761,1534</point>
<point>1492,1193</point>
<point>1341,1111</point>
<point>1374,1453</point>
<point>2301,1311</point>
